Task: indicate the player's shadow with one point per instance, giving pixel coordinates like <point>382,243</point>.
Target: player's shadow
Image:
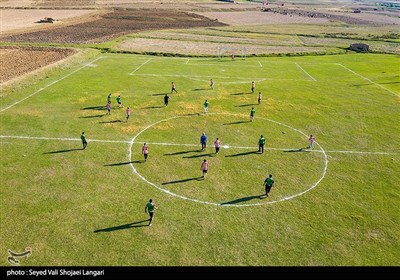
<point>112,121</point>
<point>297,150</point>
<point>182,152</point>
<point>157,94</point>
<point>242,199</point>
<point>183,180</point>
<point>202,155</point>
<point>124,163</point>
<point>197,89</point>
<point>243,154</point>
<point>246,105</point>
<point>241,93</point>
<point>95,108</point>
<point>153,107</point>
<point>239,122</point>
<point>62,151</point>
<point>125,226</point>
<point>93,116</point>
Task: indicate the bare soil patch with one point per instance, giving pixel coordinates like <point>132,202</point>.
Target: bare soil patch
<point>101,28</point>
<point>20,20</point>
<point>21,60</point>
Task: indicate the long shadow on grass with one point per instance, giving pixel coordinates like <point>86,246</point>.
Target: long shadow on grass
<point>246,105</point>
<point>153,107</point>
<point>243,154</point>
<point>183,180</point>
<point>125,226</point>
<point>157,94</point>
<point>63,151</point>
<point>239,122</point>
<point>197,89</point>
<point>183,152</point>
<point>112,121</point>
<point>242,199</point>
<point>297,150</point>
<point>202,155</point>
<point>124,163</point>
<point>94,116</point>
<point>241,93</point>
<point>95,108</point>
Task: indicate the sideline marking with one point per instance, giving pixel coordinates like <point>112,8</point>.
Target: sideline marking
<point>312,78</point>
<point>220,204</point>
<point>52,83</point>
<point>365,78</point>
<point>140,66</point>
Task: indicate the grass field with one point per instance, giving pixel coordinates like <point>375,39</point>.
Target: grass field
<point>336,205</point>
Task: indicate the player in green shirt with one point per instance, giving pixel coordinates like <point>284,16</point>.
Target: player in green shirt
<point>84,142</point>
<point>149,208</point>
<point>268,183</point>
<point>261,143</point>
<point>252,113</point>
<point>205,106</point>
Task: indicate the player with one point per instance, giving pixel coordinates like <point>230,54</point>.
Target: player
<point>128,113</point>
<point>173,87</point>
<point>252,113</point>
<point>149,208</point>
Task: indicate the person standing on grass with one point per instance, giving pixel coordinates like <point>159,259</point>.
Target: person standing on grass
<point>259,98</point>
<point>119,101</point>
<point>109,98</point>
<point>149,208</point>
<point>205,106</point>
<point>252,113</point>
<point>253,86</point>
<point>261,143</point>
<point>84,142</point>
<point>203,141</point>
<point>204,168</point>
<point>108,106</point>
<point>211,84</point>
<point>312,141</point>
<point>217,145</point>
<point>268,183</point>
<point>166,99</point>
<point>128,113</point>
<point>173,87</point>
<point>145,151</point>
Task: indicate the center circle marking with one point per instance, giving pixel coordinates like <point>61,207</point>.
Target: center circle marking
<point>219,204</point>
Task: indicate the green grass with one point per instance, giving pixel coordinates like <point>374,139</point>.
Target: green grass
<point>334,206</point>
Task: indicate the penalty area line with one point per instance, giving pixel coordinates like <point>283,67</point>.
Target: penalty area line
<point>52,83</point>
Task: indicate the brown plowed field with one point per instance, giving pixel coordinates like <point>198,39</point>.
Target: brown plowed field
<point>91,22</point>
<point>17,61</point>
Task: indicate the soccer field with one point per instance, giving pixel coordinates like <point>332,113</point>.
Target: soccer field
<point>334,205</point>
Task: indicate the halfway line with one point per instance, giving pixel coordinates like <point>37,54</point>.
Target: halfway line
<point>193,145</point>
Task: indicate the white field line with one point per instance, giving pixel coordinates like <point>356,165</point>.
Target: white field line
<point>312,78</point>
<point>368,80</point>
<point>226,146</point>
<point>187,61</point>
<point>140,66</point>
<point>193,77</point>
<point>52,83</point>
<point>260,63</point>
<point>62,139</point>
